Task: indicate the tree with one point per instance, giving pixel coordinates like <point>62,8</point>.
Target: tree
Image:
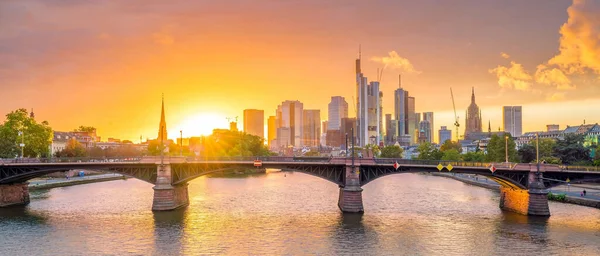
<point>312,153</point>
<point>527,153</point>
<point>391,151</point>
<point>545,147</point>
<point>451,155</point>
<point>449,144</point>
<point>496,149</point>
<point>72,149</point>
<point>428,151</point>
<point>37,137</point>
<point>570,149</point>
<point>233,143</point>
<point>478,156</point>
<point>82,128</point>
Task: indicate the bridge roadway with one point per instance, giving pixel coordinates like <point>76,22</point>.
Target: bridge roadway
<point>523,188</point>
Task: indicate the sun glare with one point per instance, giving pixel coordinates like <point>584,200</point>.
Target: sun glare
<point>202,124</point>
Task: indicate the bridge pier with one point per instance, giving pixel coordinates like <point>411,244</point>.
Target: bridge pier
<point>167,196</point>
<point>533,201</point>
<point>14,194</point>
<point>350,200</point>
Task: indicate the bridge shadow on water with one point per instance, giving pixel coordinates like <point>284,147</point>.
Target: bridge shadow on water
<point>352,236</point>
<point>532,229</point>
<point>169,231</point>
<point>21,214</point>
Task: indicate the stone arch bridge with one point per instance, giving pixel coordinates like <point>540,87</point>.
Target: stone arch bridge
<point>523,188</point>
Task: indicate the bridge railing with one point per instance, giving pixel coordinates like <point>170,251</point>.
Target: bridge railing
<point>579,168</point>
<point>70,160</point>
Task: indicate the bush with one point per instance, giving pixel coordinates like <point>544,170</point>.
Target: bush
<point>557,197</point>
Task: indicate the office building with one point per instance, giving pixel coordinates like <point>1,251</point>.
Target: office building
<point>254,122</point>
<point>338,109</point>
<point>311,127</point>
<point>271,131</point>
<point>512,118</point>
<point>444,134</point>
<point>289,119</point>
<point>428,116</point>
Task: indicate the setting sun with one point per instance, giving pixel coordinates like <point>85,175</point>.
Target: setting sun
<point>199,124</point>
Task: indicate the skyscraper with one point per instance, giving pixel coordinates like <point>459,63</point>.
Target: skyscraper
<point>368,109</point>
<point>444,134</point>
<point>401,115</point>
<point>289,123</point>
<point>413,120</point>
<point>512,118</point>
<point>473,120</point>
<point>254,122</point>
<point>338,109</point>
<point>390,134</point>
<point>271,130</point>
<point>428,116</point>
<point>311,127</point>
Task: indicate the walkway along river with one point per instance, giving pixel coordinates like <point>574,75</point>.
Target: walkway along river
<point>406,214</point>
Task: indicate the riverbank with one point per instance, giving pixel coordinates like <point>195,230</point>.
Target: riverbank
<point>63,182</point>
<point>571,197</point>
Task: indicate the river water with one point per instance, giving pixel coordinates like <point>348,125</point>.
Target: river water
<point>293,214</point>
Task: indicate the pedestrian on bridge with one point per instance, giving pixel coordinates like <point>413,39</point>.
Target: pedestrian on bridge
<point>584,192</point>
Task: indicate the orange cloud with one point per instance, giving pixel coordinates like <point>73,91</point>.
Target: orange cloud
<point>580,40</point>
<point>553,76</point>
<point>395,61</point>
<point>514,76</point>
<point>504,55</point>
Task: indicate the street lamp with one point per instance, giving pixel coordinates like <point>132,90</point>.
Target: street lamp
<point>537,151</point>
<point>22,145</point>
<point>346,145</point>
<point>181,143</point>
<point>506,147</point>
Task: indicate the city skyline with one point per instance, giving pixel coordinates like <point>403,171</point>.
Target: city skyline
<point>122,67</point>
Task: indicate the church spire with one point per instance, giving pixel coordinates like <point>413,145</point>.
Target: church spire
<point>162,129</point>
<point>472,94</point>
<point>489,126</point>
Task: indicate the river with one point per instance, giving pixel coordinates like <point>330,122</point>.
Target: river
<point>293,214</point>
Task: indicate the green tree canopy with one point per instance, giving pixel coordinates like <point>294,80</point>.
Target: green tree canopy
<point>428,151</point>
<point>478,156</point>
<point>545,147</point>
<point>451,155</point>
<point>570,149</point>
<point>527,153</point>
<point>37,137</point>
<point>82,128</point>
<point>496,149</point>
<point>72,149</point>
<point>234,143</point>
<point>449,144</point>
<point>391,151</point>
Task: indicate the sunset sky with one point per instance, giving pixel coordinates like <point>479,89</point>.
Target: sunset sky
<point>106,64</point>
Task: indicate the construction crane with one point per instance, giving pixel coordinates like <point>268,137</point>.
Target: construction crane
<point>456,123</point>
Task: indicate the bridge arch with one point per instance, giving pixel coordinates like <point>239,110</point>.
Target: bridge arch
<point>182,173</point>
<point>505,179</point>
<point>21,174</point>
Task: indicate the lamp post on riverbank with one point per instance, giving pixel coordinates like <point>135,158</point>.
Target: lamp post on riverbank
<point>506,147</point>
<point>180,142</point>
<point>22,145</point>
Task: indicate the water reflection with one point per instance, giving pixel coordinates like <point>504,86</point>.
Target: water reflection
<point>293,214</point>
<point>169,231</point>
